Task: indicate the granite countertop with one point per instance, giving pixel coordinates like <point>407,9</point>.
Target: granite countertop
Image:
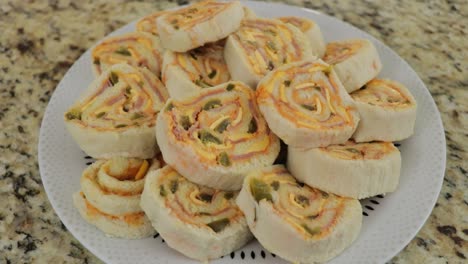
<point>40,40</point>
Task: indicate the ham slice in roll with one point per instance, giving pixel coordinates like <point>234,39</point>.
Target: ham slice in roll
<point>215,138</point>
<point>387,109</point>
<point>356,62</point>
<point>305,104</point>
<point>116,115</point>
<point>356,170</point>
<point>185,74</point>
<point>261,45</point>
<point>311,30</point>
<point>110,196</point>
<point>294,221</point>
<point>137,49</point>
<point>195,25</point>
<point>199,222</point>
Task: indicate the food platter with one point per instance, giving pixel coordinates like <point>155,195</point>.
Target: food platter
<point>389,222</point>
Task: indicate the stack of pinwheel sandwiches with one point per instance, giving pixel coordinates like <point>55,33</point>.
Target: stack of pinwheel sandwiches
<point>185,120</point>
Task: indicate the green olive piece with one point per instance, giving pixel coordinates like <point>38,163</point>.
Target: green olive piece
<point>137,116</point>
<point>206,137</point>
<point>260,190</point>
<point>205,197</point>
<point>275,185</point>
<point>309,107</point>
<point>213,103</point>
<point>228,195</point>
<point>230,86</point>
<point>353,150</point>
<point>287,83</point>
<point>212,74</point>
<point>101,114</point>
<point>302,200</point>
<point>73,114</point>
<point>311,231</point>
<point>222,126</point>
<point>169,106</point>
<point>123,51</point>
<point>162,191</point>
<point>174,185</point>
<point>185,122</point>
<point>252,126</point>
<point>114,78</point>
<point>223,159</point>
<point>219,225</point>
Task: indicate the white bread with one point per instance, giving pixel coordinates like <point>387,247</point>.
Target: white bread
<point>214,139</point>
<point>387,109</point>
<point>185,74</point>
<point>199,222</point>
<point>110,196</point>
<point>306,106</point>
<point>292,220</point>
<point>351,170</point>
<point>356,62</point>
<point>118,118</point>
<point>311,30</point>
<point>260,45</point>
<point>131,226</point>
<point>138,49</point>
<point>195,25</point>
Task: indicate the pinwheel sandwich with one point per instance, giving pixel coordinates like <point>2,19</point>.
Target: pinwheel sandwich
<point>110,196</point>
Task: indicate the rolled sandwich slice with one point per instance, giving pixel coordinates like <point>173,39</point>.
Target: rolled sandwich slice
<point>110,196</point>
<point>305,104</point>
<point>215,138</point>
<point>355,170</point>
<point>116,115</point>
<point>356,62</point>
<point>148,23</point>
<point>199,222</point>
<point>387,109</point>
<point>200,23</point>
<point>311,30</point>
<point>185,74</point>
<point>137,49</point>
<point>294,221</point>
<point>261,45</point>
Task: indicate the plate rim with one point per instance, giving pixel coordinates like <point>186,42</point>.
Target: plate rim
<point>251,3</point>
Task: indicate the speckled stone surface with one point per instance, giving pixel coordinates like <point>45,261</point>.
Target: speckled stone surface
<point>40,40</point>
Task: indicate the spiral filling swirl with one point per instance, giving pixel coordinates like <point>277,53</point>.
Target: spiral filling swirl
<point>197,205</point>
<point>337,52</point>
<point>112,188</point>
<point>307,96</point>
<point>138,49</point>
<point>124,99</point>
<point>186,18</point>
<point>223,124</point>
<point>268,44</point>
<point>383,93</point>
<point>311,212</point>
<point>204,66</point>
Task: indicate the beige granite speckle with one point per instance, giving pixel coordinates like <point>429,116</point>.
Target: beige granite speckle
<point>40,40</point>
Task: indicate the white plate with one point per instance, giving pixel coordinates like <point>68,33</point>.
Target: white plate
<point>389,223</point>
